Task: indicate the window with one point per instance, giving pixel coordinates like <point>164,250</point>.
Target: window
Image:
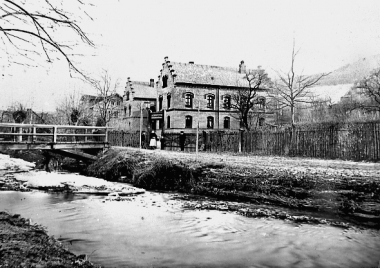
<point>261,102</point>
<point>130,110</point>
<point>188,121</point>
<point>127,95</point>
<point>160,124</point>
<point>227,102</point>
<point>210,122</point>
<point>210,101</point>
<point>226,122</point>
<point>125,111</point>
<point>169,99</point>
<point>164,81</point>
<point>168,122</point>
<point>189,100</point>
<point>160,103</point>
<point>261,122</point>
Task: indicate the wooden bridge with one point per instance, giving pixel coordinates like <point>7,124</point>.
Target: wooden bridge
<point>62,139</point>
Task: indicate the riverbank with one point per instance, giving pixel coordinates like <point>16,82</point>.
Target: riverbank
<point>27,245</point>
<point>339,191</point>
<point>24,244</point>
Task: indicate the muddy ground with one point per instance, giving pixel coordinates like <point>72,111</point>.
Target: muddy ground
<point>26,245</point>
<point>333,191</point>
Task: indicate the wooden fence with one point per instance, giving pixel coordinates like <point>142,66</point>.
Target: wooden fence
<point>354,141</point>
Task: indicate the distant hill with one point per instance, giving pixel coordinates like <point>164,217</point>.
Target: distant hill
<point>353,72</point>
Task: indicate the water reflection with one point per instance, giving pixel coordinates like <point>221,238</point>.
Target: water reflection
<point>153,230</point>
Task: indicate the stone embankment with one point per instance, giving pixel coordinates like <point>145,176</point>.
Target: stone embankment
<point>333,191</point>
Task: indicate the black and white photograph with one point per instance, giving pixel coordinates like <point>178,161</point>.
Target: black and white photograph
<point>173,133</point>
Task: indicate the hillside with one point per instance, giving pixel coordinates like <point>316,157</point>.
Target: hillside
<point>353,72</point>
<point>339,82</point>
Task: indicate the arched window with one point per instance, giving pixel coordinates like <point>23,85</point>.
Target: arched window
<point>210,101</point>
<point>226,122</point>
<point>188,121</point>
<point>261,102</point>
<point>169,97</point>
<point>130,110</point>
<point>160,103</point>
<point>189,100</point>
<point>210,122</point>
<point>261,122</point>
<point>227,102</point>
<point>164,81</point>
<point>127,95</point>
<point>168,122</point>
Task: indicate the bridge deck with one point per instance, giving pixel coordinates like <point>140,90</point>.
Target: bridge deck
<point>51,137</point>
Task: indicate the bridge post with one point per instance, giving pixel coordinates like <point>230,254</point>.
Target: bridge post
<point>34,136</point>
<point>55,134</point>
<point>19,137</point>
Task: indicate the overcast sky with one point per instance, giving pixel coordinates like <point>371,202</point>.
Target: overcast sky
<point>133,37</point>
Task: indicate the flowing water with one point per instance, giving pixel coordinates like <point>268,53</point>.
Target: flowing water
<point>152,230</point>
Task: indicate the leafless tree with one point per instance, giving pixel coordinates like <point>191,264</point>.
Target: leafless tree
<point>41,27</point>
<point>370,87</point>
<point>245,98</point>
<point>70,111</point>
<point>106,101</point>
<point>291,89</point>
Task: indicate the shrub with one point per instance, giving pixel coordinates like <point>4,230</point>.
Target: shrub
<point>165,175</point>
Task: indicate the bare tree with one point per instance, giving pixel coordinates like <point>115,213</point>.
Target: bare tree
<point>106,101</point>
<point>245,98</point>
<point>370,87</point>
<point>41,27</point>
<point>70,111</point>
<point>291,89</point>
<point>19,112</point>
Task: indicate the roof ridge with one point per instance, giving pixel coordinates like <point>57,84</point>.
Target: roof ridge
<point>205,65</point>
<point>140,82</point>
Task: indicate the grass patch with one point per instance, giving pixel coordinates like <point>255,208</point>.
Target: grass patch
<point>113,167</point>
<point>165,175</point>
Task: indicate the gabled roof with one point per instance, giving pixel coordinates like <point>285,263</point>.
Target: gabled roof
<point>207,75</point>
<point>142,90</point>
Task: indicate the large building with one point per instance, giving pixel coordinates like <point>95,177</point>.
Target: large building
<point>138,101</point>
<point>189,94</point>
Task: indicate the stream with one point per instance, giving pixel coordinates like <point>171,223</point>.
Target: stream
<point>153,230</point>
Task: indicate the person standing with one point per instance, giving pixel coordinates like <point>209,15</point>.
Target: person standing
<point>182,139</point>
<point>153,140</point>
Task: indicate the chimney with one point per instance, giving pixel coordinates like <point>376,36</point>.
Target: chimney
<point>151,82</point>
<point>191,62</point>
<point>242,68</point>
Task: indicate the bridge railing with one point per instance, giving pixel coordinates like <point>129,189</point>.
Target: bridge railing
<point>36,133</point>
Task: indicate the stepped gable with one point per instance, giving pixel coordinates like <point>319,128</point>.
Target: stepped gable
<point>192,73</point>
<point>142,89</point>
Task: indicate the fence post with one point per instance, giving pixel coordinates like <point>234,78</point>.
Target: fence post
<point>240,141</point>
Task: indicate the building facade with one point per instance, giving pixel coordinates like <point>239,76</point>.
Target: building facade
<point>191,95</point>
<point>139,101</point>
